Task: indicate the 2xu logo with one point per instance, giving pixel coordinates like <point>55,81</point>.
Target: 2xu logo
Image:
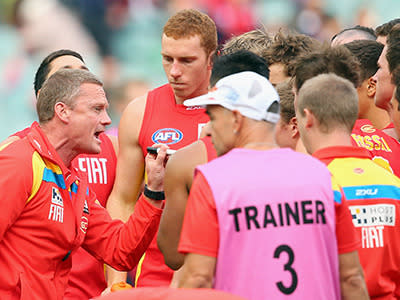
<point>167,136</point>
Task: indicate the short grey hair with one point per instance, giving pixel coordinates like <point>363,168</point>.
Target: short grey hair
<point>63,86</point>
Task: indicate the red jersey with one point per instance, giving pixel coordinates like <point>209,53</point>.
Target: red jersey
<point>373,196</point>
<point>383,147</point>
<point>100,171</point>
<point>176,125</point>
<point>51,214</point>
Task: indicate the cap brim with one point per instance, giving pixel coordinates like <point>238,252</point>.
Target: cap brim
<point>203,100</point>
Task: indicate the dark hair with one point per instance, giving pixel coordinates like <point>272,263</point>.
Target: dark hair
<point>44,68</point>
<point>393,48</point>
<point>338,60</point>
<point>367,32</point>
<point>396,81</point>
<point>384,29</point>
<point>367,52</point>
<point>285,47</point>
<point>236,62</point>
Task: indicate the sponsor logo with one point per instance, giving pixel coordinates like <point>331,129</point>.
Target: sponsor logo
<point>56,197</point>
<point>84,224</point>
<point>229,94</point>
<point>368,128</point>
<point>95,168</point>
<point>372,237</point>
<point>358,170</point>
<point>364,192</point>
<point>56,212</point>
<point>194,107</point>
<point>86,208</point>
<point>373,215</point>
<point>167,136</point>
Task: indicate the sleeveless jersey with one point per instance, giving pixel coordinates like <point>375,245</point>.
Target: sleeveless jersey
<point>383,147</point>
<point>86,278</point>
<point>176,125</point>
<point>373,196</point>
<point>276,225</point>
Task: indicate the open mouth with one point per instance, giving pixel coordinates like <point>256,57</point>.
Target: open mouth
<point>97,135</point>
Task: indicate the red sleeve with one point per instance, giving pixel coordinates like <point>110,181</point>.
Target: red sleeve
<point>200,230</point>
<point>117,244</point>
<point>347,238</point>
<point>15,185</point>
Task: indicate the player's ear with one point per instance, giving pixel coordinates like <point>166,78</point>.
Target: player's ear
<point>237,121</point>
<point>293,127</point>
<point>210,60</point>
<point>371,87</point>
<point>62,111</point>
<point>309,118</point>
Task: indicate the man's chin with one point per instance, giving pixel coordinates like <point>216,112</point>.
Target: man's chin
<point>94,149</point>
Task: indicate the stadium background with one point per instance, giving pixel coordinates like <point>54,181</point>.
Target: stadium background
<point>120,39</point>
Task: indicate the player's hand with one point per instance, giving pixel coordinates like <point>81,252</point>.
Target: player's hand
<point>155,168</point>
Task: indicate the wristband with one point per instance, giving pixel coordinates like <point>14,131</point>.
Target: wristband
<point>152,194</point>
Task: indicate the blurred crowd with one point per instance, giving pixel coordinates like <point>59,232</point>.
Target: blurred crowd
<point>120,39</point>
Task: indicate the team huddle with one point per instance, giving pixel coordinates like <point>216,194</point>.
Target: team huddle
<point>284,182</point>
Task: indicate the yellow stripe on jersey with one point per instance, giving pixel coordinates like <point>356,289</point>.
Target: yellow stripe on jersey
<point>364,179</point>
<point>38,167</point>
<point>139,269</point>
<point>356,171</point>
<point>53,167</point>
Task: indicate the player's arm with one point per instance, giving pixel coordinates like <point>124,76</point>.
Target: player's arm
<point>129,171</point>
<point>198,271</point>
<point>114,141</point>
<point>352,282</point>
<point>130,162</point>
<point>121,245</point>
<point>178,180</point>
<point>200,236</point>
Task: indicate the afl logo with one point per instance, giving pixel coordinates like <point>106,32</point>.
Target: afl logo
<point>167,136</point>
<point>368,128</point>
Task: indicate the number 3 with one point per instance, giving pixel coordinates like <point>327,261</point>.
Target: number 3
<point>287,267</point>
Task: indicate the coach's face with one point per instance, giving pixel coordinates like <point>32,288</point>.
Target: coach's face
<point>88,118</point>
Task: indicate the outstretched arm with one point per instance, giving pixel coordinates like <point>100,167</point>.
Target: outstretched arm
<point>130,162</point>
<point>129,173</point>
<point>178,181</point>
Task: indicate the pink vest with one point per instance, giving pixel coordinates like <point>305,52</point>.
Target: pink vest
<point>276,225</point>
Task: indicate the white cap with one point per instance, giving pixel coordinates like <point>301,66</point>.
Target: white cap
<point>247,92</point>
